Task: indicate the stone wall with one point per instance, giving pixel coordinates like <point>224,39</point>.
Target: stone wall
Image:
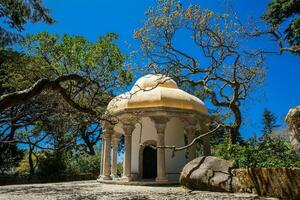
<point>208,173</point>
<point>272,182</point>
<point>13,180</point>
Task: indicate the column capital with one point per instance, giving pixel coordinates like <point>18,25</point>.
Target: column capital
<point>159,119</point>
<point>107,126</point>
<point>116,136</point>
<point>160,123</point>
<point>106,135</point>
<point>160,128</point>
<point>190,121</point>
<point>190,129</point>
<point>204,121</point>
<point>128,128</point>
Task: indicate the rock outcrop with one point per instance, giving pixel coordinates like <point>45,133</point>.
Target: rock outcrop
<point>293,121</point>
<point>208,173</point>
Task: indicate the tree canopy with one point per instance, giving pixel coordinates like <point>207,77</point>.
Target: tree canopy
<point>218,64</point>
<point>16,13</point>
<point>285,15</point>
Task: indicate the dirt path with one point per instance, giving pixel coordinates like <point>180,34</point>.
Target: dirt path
<point>91,190</point>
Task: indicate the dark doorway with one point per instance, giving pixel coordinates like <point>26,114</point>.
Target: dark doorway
<point>149,163</point>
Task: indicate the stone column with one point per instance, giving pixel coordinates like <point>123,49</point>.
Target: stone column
<point>190,133</point>
<point>106,160</point>
<point>128,129</point>
<point>101,158</point>
<point>160,125</point>
<point>205,140</point>
<point>115,141</point>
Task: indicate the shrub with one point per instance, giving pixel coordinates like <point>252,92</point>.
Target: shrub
<point>53,164</point>
<point>120,169</point>
<point>24,168</point>
<point>271,152</point>
<point>10,157</point>
<point>69,163</point>
<point>84,164</point>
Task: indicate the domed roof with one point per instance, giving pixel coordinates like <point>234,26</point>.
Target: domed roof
<point>156,91</point>
<point>151,81</point>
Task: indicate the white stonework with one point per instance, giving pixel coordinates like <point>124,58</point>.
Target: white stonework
<point>154,113</point>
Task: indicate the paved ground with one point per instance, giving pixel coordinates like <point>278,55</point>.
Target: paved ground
<point>92,190</point>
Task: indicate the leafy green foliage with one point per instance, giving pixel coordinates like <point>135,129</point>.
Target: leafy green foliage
<point>100,66</point>
<point>52,56</point>
<point>273,151</point>
<point>84,164</point>
<point>270,150</point>
<point>10,156</point>
<point>69,163</point>
<point>16,13</point>
<point>269,122</point>
<point>24,166</point>
<point>120,169</point>
<point>281,11</point>
<point>54,163</point>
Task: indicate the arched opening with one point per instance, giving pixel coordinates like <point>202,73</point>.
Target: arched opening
<point>149,163</point>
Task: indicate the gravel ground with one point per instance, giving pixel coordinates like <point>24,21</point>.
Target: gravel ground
<point>92,190</point>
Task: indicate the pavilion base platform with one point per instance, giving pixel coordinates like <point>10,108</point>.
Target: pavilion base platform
<point>144,182</point>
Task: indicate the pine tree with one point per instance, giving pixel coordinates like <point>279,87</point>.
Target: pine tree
<point>269,123</point>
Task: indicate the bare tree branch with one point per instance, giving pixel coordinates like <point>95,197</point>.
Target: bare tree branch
<point>196,139</point>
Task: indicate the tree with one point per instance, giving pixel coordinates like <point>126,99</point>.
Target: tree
<point>269,123</point>
<point>270,150</point>
<point>70,66</point>
<point>218,64</point>
<point>10,156</point>
<point>73,62</point>
<point>90,133</point>
<point>284,15</point>
<point>58,90</point>
<point>16,13</point>
<point>275,152</point>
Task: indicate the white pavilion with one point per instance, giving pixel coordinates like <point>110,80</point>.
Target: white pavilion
<point>155,112</point>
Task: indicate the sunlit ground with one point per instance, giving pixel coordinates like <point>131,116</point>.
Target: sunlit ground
<point>87,190</point>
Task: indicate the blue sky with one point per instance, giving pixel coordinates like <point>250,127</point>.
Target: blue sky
<point>93,18</point>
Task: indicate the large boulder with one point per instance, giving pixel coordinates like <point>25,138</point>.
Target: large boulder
<point>209,173</point>
<point>293,121</point>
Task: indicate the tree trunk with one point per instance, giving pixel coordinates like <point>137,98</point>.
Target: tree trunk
<point>30,160</point>
<point>91,149</point>
<point>233,135</point>
<point>89,144</point>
